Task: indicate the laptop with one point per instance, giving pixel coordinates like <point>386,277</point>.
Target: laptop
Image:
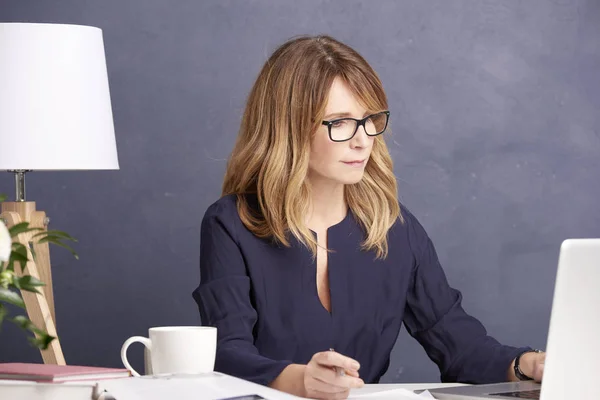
<point>572,369</point>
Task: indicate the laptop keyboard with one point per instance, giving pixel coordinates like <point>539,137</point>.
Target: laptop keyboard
<point>525,394</point>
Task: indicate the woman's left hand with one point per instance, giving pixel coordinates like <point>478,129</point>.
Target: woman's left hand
<point>532,365</point>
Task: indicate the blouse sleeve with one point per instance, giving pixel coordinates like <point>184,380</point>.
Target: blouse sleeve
<point>457,342</point>
<point>224,300</point>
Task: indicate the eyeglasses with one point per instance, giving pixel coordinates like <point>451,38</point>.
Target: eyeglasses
<point>343,129</point>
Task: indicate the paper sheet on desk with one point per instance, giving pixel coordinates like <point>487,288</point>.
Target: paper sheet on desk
<point>212,386</point>
<point>397,394</point>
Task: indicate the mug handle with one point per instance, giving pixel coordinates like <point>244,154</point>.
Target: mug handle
<point>143,340</point>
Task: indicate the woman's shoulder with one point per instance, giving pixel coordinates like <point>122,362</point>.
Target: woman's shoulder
<point>222,216</point>
<point>225,209</point>
<point>222,208</point>
<point>408,228</point>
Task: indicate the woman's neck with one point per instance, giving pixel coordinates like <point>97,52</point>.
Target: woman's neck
<point>327,204</point>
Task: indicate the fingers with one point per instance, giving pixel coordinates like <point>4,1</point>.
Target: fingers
<point>322,368</point>
<point>328,376</point>
<point>344,382</point>
<point>318,385</point>
<point>334,359</point>
<point>538,369</point>
<point>329,396</point>
<point>322,381</point>
<point>351,372</point>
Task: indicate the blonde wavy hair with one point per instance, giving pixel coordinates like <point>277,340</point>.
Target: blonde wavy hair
<point>270,159</point>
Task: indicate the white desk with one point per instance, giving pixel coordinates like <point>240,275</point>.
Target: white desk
<point>368,389</point>
<point>74,391</point>
<point>409,386</point>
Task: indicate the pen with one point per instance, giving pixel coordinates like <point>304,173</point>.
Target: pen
<point>338,370</point>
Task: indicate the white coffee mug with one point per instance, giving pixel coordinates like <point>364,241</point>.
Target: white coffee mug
<point>177,349</point>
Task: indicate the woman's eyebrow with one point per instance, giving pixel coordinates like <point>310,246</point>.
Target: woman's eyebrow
<point>341,115</point>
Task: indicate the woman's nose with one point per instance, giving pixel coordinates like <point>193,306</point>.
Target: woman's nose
<point>360,139</point>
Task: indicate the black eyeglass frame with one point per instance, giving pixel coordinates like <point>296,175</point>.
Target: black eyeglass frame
<point>359,123</point>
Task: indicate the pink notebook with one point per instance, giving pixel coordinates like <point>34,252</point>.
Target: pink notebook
<point>58,373</point>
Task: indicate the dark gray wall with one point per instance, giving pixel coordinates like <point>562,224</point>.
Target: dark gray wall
<point>495,140</point>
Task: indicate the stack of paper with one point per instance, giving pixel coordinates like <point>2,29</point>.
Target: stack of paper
<point>48,391</point>
<point>211,386</point>
<point>217,386</point>
<point>371,393</point>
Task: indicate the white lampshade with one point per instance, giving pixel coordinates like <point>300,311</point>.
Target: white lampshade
<point>55,110</point>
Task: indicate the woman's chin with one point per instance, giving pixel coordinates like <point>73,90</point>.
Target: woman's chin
<point>351,179</point>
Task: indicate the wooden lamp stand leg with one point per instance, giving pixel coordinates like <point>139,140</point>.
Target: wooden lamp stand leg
<point>40,307</point>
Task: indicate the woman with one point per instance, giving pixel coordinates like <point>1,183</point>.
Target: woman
<point>309,249</point>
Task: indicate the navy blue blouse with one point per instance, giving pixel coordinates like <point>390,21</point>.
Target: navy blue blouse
<point>263,299</point>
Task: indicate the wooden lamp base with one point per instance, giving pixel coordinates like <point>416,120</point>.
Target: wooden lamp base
<point>40,307</point>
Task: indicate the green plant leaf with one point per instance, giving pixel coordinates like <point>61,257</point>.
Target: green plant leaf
<point>29,283</point>
<point>3,197</point>
<point>19,249</point>
<point>19,253</point>
<point>10,266</point>
<point>18,228</point>
<point>8,296</point>
<point>31,289</point>
<point>55,233</point>
<point>32,249</point>
<point>32,230</point>
<point>29,280</point>
<point>21,227</point>
<point>56,241</point>
<point>3,314</point>
<point>42,341</point>
<point>51,238</point>
<point>22,321</point>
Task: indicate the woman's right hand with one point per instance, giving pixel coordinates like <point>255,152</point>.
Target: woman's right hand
<point>321,381</point>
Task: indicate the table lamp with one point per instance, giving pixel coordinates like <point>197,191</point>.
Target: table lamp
<point>55,114</point>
